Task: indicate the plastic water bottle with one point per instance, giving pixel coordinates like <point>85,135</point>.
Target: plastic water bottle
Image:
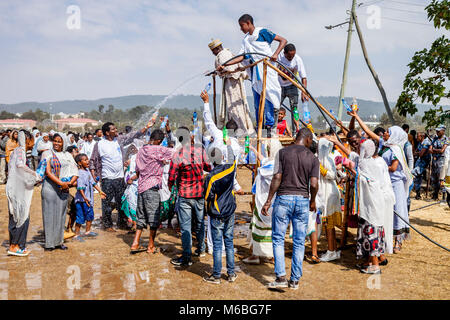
<point>164,142</point>
<point>349,109</point>
<point>306,113</point>
<point>208,87</point>
<point>225,135</point>
<point>247,144</point>
<point>195,118</point>
<point>153,119</point>
<point>163,124</point>
<point>354,105</point>
<point>296,115</point>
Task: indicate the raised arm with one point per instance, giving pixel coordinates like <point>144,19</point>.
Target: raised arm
<point>282,42</point>
<point>363,126</point>
<point>338,144</point>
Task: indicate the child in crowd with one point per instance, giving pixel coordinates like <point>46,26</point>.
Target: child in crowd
<point>220,206</point>
<point>129,198</point>
<point>84,198</point>
<point>168,197</point>
<point>282,126</point>
<point>71,208</point>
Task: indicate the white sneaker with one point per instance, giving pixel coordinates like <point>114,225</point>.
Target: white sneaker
<point>330,256</point>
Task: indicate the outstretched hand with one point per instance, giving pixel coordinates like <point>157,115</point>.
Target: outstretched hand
<point>205,97</point>
<point>353,113</point>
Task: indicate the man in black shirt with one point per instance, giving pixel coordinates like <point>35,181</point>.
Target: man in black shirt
<point>296,183</point>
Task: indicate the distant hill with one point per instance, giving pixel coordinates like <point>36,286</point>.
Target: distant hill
<point>367,107</point>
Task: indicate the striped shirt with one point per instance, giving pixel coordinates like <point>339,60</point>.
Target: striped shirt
<point>150,165</point>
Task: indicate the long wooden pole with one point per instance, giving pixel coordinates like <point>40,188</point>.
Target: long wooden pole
<point>262,104</point>
<point>214,97</point>
<point>372,70</point>
<point>344,129</point>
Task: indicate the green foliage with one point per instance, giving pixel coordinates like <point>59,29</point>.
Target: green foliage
<point>37,115</point>
<point>429,71</point>
<point>399,120</point>
<point>6,115</point>
<point>122,118</point>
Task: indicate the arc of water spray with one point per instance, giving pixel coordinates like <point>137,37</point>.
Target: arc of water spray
<point>146,116</point>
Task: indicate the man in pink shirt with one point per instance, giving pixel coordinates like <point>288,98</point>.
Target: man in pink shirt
<point>150,162</point>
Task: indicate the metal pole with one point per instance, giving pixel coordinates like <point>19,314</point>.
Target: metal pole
<point>347,55</point>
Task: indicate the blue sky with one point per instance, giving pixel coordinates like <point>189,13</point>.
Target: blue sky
<point>150,47</point>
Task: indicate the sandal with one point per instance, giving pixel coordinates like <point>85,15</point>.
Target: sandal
<point>19,253</point>
<point>315,259</point>
<point>139,249</point>
<point>154,250</point>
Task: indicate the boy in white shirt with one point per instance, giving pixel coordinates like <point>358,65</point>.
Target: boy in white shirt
<point>294,63</point>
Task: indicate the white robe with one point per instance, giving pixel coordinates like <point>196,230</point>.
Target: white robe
<point>20,184</point>
<point>376,196</point>
<point>273,88</point>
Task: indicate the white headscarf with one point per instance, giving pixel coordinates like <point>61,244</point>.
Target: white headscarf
<point>376,196</point>
<point>20,185</point>
<point>396,142</point>
<point>328,196</point>
<point>324,151</point>
<point>69,167</point>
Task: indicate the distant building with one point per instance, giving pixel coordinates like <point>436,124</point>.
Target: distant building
<point>369,123</point>
<point>17,124</point>
<point>74,123</point>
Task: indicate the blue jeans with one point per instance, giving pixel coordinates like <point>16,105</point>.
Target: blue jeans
<point>222,229</point>
<point>269,117</point>
<point>296,209</point>
<point>187,208</point>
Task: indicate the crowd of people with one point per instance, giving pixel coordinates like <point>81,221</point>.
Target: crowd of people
<point>362,179</point>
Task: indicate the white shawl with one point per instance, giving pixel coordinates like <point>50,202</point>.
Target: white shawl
<point>376,196</point>
<point>20,185</point>
<point>328,196</point>
<point>396,142</point>
<point>273,88</point>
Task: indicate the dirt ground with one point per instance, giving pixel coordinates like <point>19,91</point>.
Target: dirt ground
<point>102,268</point>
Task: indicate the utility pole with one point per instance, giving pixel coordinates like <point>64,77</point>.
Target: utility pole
<point>374,74</point>
<point>347,54</point>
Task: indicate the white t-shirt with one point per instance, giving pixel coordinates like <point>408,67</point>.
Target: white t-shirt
<point>111,156</point>
<point>295,65</point>
<point>88,147</point>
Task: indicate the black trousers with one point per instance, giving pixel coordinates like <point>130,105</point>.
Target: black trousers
<point>114,189</point>
<point>18,235</point>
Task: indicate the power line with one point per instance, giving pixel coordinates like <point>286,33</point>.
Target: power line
<point>369,3</point>
<point>403,10</point>
<point>409,3</point>
<point>404,21</point>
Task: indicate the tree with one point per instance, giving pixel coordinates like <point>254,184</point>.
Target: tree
<point>101,108</point>
<point>29,115</point>
<point>399,120</point>
<point>429,71</point>
<point>6,115</point>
